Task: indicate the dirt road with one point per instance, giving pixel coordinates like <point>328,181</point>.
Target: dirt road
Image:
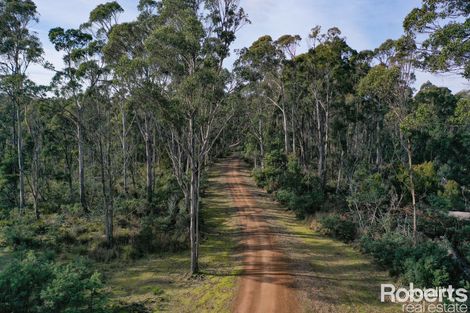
<point>267,281</point>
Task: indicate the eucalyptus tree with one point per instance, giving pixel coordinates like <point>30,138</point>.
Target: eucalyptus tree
<point>298,76</point>
<point>83,82</point>
<point>443,28</point>
<point>74,43</point>
<point>36,125</point>
<point>260,69</point>
<point>98,94</point>
<point>19,48</point>
<point>377,89</point>
<point>140,82</point>
<point>288,44</point>
<point>330,68</point>
<point>190,42</point>
<point>388,87</point>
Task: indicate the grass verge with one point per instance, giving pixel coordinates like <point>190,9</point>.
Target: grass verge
<point>330,276</point>
<point>160,283</point>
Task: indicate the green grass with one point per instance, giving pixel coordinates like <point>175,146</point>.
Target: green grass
<point>331,276</point>
<point>162,283</point>
<point>345,279</point>
<point>338,278</point>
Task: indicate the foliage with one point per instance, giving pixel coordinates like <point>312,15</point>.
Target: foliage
<point>282,176</point>
<point>446,25</point>
<point>367,198</point>
<point>119,142</point>
<point>157,234</point>
<point>35,283</point>
<point>426,265</point>
<point>338,227</point>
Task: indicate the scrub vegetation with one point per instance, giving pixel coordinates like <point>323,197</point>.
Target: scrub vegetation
<point>111,196</point>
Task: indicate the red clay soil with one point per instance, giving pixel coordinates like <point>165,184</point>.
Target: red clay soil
<point>266,283</point>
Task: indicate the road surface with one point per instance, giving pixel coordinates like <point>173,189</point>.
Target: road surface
<point>267,283</point>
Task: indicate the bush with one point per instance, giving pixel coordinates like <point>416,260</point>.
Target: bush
<point>447,199</point>
<point>23,233</point>
<point>131,206</point>
<point>390,251</point>
<point>274,169</point>
<point>101,251</point>
<point>430,265</point>
<point>260,178</point>
<point>21,284</point>
<point>160,234</point>
<point>339,228</point>
<point>35,284</point>
<point>426,265</point>
<point>284,196</point>
<point>298,192</point>
<point>301,205</point>
<point>73,289</point>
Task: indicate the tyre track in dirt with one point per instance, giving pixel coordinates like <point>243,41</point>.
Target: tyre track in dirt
<point>266,283</point>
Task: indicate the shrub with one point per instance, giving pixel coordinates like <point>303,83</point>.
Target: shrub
<point>284,196</point>
<point>21,284</point>
<point>390,251</point>
<point>426,265</point>
<point>301,205</point>
<point>35,284</point>
<point>73,289</point>
<point>339,228</point>
<point>298,192</point>
<point>21,234</point>
<point>274,169</point>
<point>160,234</point>
<point>449,198</point>
<point>429,265</point>
<point>260,178</point>
<point>131,206</point>
<point>101,251</point>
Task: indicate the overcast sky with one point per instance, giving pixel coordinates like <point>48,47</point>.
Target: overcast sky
<point>365,24</point>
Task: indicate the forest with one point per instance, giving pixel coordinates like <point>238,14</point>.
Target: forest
<point>111,162</point>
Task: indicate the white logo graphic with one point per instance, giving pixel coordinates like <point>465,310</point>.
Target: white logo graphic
<point>432,300</point>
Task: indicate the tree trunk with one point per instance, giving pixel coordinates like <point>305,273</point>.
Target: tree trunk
<point>81,162</point>
<point>106,186</point>
<point>321,145</point>
<point>338,181</point>
<point>293,131</point>
<point>149,168</point>
<point>377,145</point>
<point>124,151</point>
<point>110,207</point>
<point>68,169</point>
<point>261,143</point>
<point>198,190</point>
<point>412,187</point>
<point>19,142</point>
<point>193,200</point>
<point>35,173</point>
<point>286,134</point>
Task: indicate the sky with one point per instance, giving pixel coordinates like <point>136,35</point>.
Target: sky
<point>364,23</point>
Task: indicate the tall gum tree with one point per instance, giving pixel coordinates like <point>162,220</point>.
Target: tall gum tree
<point>140,81</point>
<point>19,48</point>
<point>442,28</point>
<point>101,21</point>
<point>259,68</point>
<point>329,66</point>
<point>198,35</point>
<point>74,44</point>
